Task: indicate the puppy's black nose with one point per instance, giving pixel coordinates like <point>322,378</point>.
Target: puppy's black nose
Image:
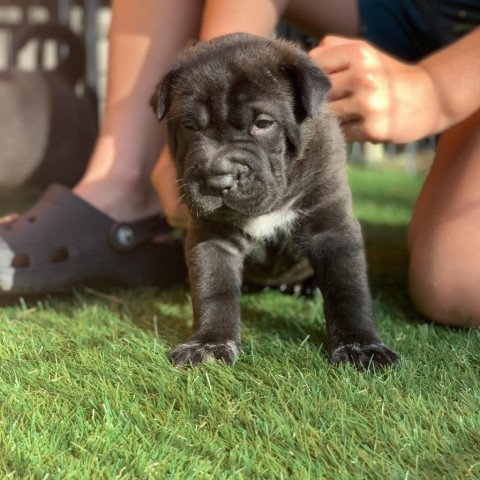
<point>221,183</point>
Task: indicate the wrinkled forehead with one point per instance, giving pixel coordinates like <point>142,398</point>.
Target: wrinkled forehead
<point>229,94</point>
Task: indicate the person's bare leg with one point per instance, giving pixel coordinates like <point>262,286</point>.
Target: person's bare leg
<point>444,236</point>
<point>144,40</point>
<point>260,17</point>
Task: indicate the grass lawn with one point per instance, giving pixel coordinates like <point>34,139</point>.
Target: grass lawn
<point>86,390</point>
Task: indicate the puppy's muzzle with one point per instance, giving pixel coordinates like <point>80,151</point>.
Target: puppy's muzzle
<point>225,175</point>
<point>222,183</point>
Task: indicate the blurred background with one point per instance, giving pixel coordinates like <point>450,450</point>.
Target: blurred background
<point>53,57</point>
<point>53,62</point>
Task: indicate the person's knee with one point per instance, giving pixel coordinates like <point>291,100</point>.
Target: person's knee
<point>444,277</point>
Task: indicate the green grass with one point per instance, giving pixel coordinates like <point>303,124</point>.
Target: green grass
<point>86,390</point>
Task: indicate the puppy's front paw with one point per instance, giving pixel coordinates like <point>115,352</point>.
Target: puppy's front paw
<point>372,356</point>
<point>194,352</point>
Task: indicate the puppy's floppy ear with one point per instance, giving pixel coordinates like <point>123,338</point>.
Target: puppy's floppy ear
<point>310,85</point>
<point>160,101</point>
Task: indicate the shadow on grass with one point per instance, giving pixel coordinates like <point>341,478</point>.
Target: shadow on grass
<point>388,259</point>
<point>267,318</point>
<point>387,253</point>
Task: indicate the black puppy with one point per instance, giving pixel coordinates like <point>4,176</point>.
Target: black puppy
<point>261,166</point>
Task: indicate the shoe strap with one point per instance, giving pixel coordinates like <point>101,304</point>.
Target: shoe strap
<point>125,236</point>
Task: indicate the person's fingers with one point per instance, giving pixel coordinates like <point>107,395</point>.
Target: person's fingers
<point>342,85</point>
<point>330,59</point>
<point>332,40</point>
<point>334,54</point>
<point>354,131</point>
<point>355,126</point>
<point>346,109</point>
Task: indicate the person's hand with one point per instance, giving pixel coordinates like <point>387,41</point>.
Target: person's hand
<point>375,97</point>
<point>164,179</point>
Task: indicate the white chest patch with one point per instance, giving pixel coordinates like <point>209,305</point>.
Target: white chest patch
<point>271,224</point>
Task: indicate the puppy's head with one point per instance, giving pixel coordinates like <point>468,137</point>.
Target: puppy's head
<point>235,108</point>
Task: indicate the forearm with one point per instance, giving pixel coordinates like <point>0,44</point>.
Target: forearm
<point>258,17</point>
<point>455,76</point>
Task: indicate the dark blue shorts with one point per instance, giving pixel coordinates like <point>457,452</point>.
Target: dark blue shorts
<point>412,29</point>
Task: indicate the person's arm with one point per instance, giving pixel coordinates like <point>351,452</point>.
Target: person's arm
<point>377,98</point>
<point>455,74</point>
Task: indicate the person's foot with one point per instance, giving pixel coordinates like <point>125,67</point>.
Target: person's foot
<point>124,202</point>
<point>117,181</point>
<point>63,241</point>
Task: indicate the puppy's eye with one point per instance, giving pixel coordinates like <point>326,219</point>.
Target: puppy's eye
<point>190,124</point>
<point>263,122</point>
